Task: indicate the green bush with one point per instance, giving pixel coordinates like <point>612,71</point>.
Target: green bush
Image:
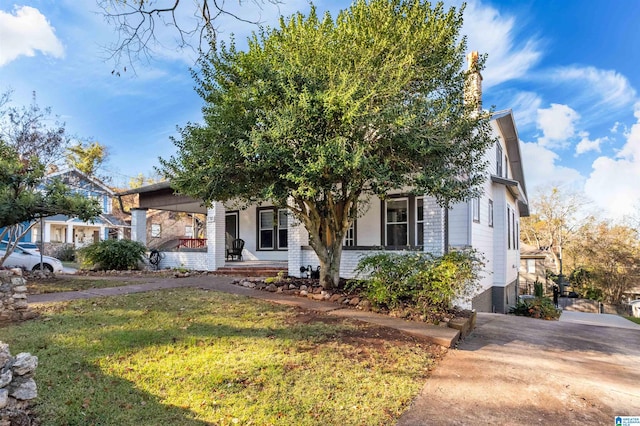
<point>421,280</point>
<point>538,289</point>
<point>539,307</point>
<point>112,254</point>
<point>66,253</point>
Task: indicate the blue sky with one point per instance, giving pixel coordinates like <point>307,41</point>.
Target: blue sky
<point>568,69</point>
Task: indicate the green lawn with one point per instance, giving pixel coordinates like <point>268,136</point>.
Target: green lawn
<point>192,357</point>
<point>634,319</point>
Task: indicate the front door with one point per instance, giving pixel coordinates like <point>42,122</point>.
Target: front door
<point>232,231</point>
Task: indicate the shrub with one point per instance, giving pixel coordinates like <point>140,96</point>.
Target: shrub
<point>66,253</point>
<point>112,254</point>
<point>418,279</point>
<point>538,289</point>
<point>539,307</point>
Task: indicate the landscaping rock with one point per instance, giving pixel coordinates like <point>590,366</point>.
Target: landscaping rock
<point>365,305</point>
<point>355,301</point>
<point>4,398</point>
<point>24,364</point>
<point>17,387</point>
<point>23,389</point>
<point>272,288</point>
<point>334,298</point>
<point>304,287</point>
<point>303,292</point>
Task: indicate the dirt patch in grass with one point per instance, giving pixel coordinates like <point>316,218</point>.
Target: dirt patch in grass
<point>62,283</point>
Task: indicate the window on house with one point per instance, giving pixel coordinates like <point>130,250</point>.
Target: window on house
<point>350,236</point>
<point>283,229</point>
<point>420,221</point>
<point>498,159</point>
<point>531,266</point>
<point>516,234</point>
<point>188,231</point>
<point>272,229</point>
<point>397,217</point>
<point>156,230</point>
<point>508,227</point>
<point>265,229</point>
<point>506,167</point>
<point>475,207</point>
<point>490,222</point>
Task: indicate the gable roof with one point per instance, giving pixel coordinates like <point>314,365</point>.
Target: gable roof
<point>73,171</point>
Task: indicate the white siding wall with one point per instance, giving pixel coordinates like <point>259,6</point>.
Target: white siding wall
<point>248,223</point>
<point>459,223</point>
<point>191,260</point>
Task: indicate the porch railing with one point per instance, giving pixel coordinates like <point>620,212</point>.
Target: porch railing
<point>192,243</point>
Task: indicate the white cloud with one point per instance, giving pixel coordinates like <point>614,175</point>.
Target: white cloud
<point>24,32</point>
<point>541,170</point>
<point>611,87</point>
<point>557,124</point>
<point>488,31</point>
<point>586,144</point>
<point>525,106</point>
<point>613,183</point>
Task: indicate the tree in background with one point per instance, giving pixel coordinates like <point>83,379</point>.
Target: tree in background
<point>319,113</point>
<point>555,216</point>
<point>87,157</point>
<point>607,258</point>
<point>139,25</point>
<point>33,132</point>
<point>26,150</point>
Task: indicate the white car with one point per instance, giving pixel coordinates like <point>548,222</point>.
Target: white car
<point>24,259</point>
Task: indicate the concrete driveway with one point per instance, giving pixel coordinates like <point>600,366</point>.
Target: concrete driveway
<point>582,370</point>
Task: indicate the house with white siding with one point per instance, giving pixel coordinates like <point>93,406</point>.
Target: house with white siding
<point>489,223</point>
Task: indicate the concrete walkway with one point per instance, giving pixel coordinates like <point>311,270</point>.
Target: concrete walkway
<point>601,320</point>
<point>443,336</point>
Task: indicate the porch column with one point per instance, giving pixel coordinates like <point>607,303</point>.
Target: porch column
<point>69,235</point>
<point>216,244</point>
<point>46,238</point>
<point>139,225</point>
<point>297,236</point>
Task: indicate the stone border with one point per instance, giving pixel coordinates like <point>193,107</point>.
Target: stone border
<point>464,325</point>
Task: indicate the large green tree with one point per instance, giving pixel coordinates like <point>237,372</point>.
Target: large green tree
<point>319,112</point>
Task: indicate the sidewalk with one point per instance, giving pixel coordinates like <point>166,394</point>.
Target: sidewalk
<point>443,336</point>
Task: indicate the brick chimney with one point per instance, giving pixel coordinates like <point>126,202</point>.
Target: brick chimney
<point>473,88</point>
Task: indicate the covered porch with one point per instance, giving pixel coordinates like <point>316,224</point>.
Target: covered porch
<point>263,229</point>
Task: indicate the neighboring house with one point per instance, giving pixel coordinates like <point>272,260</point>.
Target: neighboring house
<point>60,229</point>
<point>534,264</point>
<point>489,223</point>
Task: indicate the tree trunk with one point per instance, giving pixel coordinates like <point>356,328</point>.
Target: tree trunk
<point>330,266</point>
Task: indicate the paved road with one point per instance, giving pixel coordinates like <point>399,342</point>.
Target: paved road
<point>523,371</point>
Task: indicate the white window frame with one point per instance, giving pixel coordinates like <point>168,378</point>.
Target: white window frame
<point>475,209</point>
<point>350,236</point>
<point>387,222</point>
<point>282,227</point>
<point>498,159</point>
<point>531,266</point>
<point>156,230</point>
<point>262,228</point>
<point>490,221</point>
<point>419,238</point>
